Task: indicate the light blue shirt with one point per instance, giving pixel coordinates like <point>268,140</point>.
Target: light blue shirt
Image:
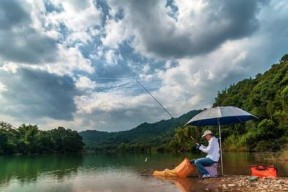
<point>212,149</point>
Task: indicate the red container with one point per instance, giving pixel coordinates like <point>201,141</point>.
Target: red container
<point>263,171</point>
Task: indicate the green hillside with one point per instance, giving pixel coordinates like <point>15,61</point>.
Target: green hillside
<point>144,137</point>
<point>265,96</point>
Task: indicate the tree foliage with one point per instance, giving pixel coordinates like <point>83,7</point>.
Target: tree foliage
<point>28,139</point>
<point>185,139</point>
<point>265,96</point>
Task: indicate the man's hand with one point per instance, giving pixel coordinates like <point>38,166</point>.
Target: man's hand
<point>197,145</point>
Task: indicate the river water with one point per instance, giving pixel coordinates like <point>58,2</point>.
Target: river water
<point>109,172</point>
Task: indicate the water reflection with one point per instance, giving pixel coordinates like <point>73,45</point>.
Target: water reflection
<point>110,172</point>
<point>190,184</point>
<point>239,163</point>
<point>26,169</point>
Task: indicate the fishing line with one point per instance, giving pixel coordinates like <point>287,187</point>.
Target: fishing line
<point>133,75</point>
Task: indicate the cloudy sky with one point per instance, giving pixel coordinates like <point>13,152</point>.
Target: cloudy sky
<point>73,63</point>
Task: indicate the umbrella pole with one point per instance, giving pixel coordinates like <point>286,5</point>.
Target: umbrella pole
<point>222,172</point>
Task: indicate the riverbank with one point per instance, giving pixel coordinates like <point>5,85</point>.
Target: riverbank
<point>242,183</point>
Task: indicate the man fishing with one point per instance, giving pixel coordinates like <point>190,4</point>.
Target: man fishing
<point>212,151</point>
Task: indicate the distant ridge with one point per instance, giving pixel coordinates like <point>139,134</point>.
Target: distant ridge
<point>146,135</point>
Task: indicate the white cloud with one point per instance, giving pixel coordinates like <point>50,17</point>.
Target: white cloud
<point>199,28</point>
<point>116,32</point>
<point>2,88</point>
<point>194,82</point>
<point>76,22</point>
<point>9,67</point>
<point>84,83</point>
<point>70,60</point>
<point>77,15</point>
<point>112,110</point>
<point>110,57</point>
<point>146,68</point>
<point>22,42</point>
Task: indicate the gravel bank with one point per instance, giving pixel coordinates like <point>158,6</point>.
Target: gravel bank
<point>243,183</point>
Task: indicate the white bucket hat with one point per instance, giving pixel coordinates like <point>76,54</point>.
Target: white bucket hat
<point>207,132</point>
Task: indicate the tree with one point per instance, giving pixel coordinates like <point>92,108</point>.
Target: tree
<point>284,58</point>
<point>28,139</point>
<point>182,140</point>
<point>8,138</point>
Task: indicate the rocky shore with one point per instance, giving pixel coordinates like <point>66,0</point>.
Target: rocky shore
<point>245,183</point>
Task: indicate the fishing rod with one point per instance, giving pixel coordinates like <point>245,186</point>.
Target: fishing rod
<point>133,75</point>
<point>192,138</point>
<point>196,142</point>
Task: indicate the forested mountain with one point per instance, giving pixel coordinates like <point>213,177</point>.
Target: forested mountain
<point>144,137</point>
<point>265,96</point>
